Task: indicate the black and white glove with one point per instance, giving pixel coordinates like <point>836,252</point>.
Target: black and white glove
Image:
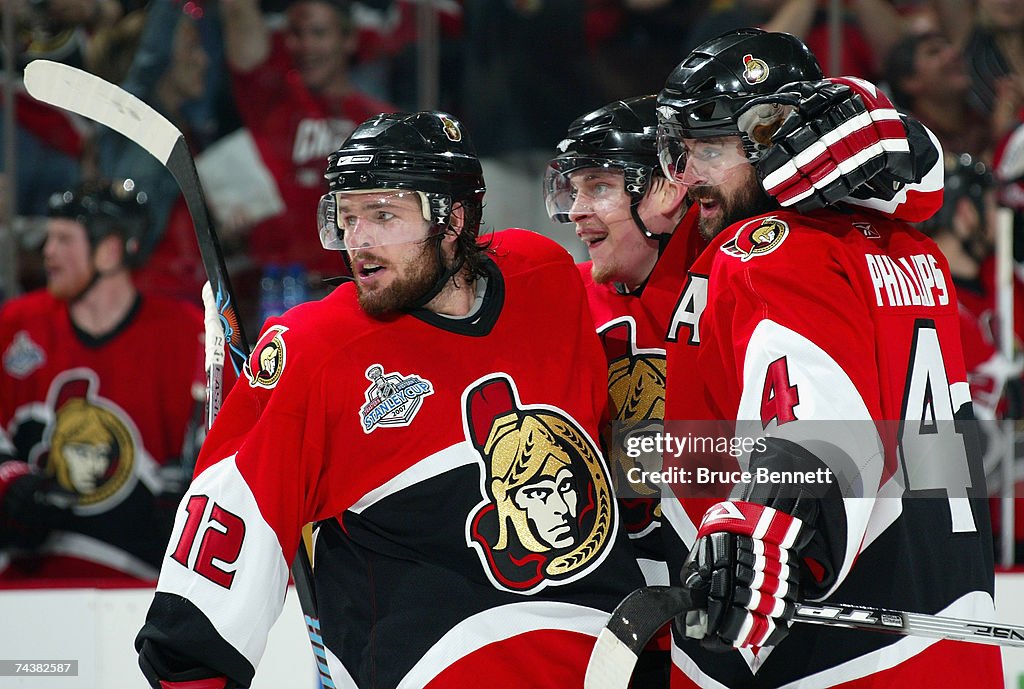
<point>746,561</point>
<point>31,505</point>
<point>841,135</point>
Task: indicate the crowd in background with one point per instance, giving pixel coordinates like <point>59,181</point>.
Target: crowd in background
<point>264,90</point>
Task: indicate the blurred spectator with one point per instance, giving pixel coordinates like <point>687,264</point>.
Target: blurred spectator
<point>634,44</point>
<point>527,76</point>
<point>60,30</point>
<point>926,75</point>
<point>293,92</point>
<point>386,63</point>
<point>963,229</point>
<point>166,74</point>
<point>869,29</point>
<point>992,34</point>
<point>101,393</point>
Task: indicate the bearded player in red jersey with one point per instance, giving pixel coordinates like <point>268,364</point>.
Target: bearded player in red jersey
<point>437,420</point>
<point>834,335</point>
<point>101,393</point>
<point>606,179</point>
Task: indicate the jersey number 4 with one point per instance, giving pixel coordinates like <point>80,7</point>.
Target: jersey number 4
<point>223,533</point>
<point>931,443</point>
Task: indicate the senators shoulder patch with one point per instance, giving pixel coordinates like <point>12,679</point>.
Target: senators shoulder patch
<point>266,363</point>
<point>757,237</point>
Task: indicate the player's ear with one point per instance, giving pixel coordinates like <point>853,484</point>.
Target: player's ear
<point>109,253</point>
<point>457,220</point>
<point>668,196</point>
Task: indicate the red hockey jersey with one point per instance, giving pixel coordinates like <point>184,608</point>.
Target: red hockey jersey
<point>839,331</point>
<point>102,417</point>
<point>466,529</point>
<point>632,328</point>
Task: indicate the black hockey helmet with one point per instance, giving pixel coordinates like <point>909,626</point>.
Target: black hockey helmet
<point>706,92</point>
<point>619,135</point>
<point>426,152</point>
<point>104,208</point>
<point>966,177</point>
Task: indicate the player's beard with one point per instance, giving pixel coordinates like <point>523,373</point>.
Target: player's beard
<point>421,272</point>
<point>745,202</point>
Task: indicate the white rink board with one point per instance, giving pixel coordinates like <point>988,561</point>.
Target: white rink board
<point>97,627</point>
<point>1010,610</point>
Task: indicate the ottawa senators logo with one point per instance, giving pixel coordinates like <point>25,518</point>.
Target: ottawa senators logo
<point>757,238</point>
<point>265,365</point>
<point>636,391</point>
<point>547,515</point>
<point>93,445</point>
<point>755,70</point>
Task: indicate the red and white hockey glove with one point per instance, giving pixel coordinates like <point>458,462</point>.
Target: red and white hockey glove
<point>843,133</point>
<point>746,560</point>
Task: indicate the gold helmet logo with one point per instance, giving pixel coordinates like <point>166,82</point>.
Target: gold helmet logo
<point>451,128</point>
<point>755,70</point>
<point>548,515</point>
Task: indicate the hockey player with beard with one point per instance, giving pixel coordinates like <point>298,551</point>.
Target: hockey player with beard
<point>437,420</point>
<point>101,391</point>
<point>834,335</point>
<point>606,179</point>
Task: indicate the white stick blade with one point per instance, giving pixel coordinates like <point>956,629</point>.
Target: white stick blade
<point>611,663</point>
<point>86,94</point>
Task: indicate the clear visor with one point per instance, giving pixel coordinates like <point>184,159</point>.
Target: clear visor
<point>368,218</point>
<point>699,162</point>
<point>584,190</point>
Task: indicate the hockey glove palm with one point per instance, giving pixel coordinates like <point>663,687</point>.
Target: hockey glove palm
<point>746,562</point>
<point>844,133</point>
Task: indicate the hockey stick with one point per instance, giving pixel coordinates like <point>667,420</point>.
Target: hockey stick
<point>87,95</point>
<point>642,613</point>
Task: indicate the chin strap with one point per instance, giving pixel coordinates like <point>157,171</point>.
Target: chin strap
<point>663,239</point>
<point>444,275</point>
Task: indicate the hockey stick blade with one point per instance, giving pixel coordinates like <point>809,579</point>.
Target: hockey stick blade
<point>87,95</point>
<point>633,622</point>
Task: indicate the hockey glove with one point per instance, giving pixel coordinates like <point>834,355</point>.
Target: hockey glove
<point>31,505</point>
<point>843,133</point>
<point>746,561</point>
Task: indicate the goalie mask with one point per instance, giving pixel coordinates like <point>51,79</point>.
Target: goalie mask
<point>706,93</point>
<point>422,163</point>
<point>107,208</point>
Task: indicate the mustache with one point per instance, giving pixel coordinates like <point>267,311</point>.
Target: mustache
<point>694,194</point>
